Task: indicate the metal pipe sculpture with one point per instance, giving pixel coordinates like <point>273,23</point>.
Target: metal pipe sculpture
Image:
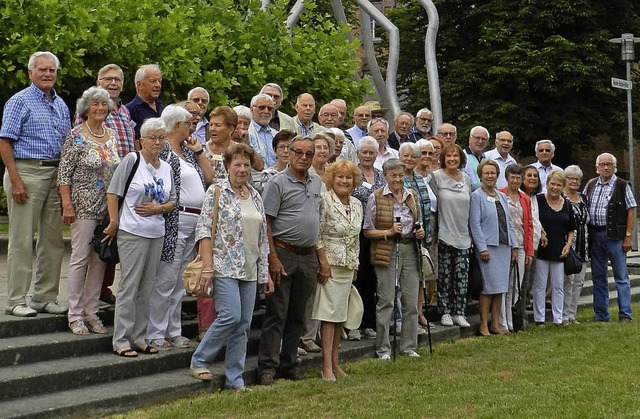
<point>370,57</point>
<point>430,57</point>
<point>294,16</point>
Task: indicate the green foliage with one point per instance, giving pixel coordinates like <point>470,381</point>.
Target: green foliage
<point>229,47</point>
<point>539,68</point>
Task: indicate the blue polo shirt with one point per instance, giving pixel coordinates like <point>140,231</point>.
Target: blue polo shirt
<point>140,111</point>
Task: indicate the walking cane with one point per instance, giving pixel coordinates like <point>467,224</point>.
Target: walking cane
<point>395,294</point>
<point>424,292</point>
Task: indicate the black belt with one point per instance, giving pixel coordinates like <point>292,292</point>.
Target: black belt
<point>190,210</point>
<point>294,249</point>
<point>50,163</point>
<point>598,228</point>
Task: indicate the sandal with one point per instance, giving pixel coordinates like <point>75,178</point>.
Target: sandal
<point>78,328</point>
<point>126,352</point>
<point>201,373</point>
<point>96,326</point>
<point>160,344</point>
<point>179,342</point>
<point>147,349</point>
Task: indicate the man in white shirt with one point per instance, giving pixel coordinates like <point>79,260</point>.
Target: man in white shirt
<point>361,117</point>
<point>544,152</point>
<point>500,154</point>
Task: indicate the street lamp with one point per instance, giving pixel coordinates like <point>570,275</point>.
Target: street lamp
<point>627,44</point>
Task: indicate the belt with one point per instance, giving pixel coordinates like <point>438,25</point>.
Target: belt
<point>50,163</point>
<point>294,249</point>
<point>598,228</point>
<point>189,210</point>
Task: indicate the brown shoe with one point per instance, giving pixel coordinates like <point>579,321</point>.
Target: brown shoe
<point>625,320</point>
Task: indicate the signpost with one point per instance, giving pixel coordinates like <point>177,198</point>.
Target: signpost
<point>621,84</point>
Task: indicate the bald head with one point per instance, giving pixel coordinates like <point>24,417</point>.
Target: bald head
<point>328,116</point>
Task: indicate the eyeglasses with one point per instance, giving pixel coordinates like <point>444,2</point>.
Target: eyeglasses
<point>607,164</point>
<point>427,153</point>
<point>199,100</point>
<point>544,150</point>
<point>424,119</point>
<point>263,107</point>
<point>326,115</point>
<point>111,79</point>
<point>447,134</point>
<point>300,153</point>
<point>156,139</point>
<point>281,147</point>
<point>478,138</point>
<point>573,179</point>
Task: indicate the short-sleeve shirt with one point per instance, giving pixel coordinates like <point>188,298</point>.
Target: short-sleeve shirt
<point>294,207</point>
<point>140,111</point>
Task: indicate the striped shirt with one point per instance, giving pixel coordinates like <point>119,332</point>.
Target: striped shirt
<point>36,124</point>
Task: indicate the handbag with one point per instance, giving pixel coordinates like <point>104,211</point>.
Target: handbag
<point>192,272</point>
<point>572,263</point>
<point>428,269</point>
<point>517,307</point>
<point>355,310</point>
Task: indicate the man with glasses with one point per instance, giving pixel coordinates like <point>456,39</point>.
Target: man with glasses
<point>402,125</point>
<point>260,133</point>
<point>544,152</point>
<point>329,117</point>
<point>291,204</point>
<point>279,120</point>
<point>200,96</point>
<point>422,125</point>
<point>146,104</point>
<point>305,108</point>
<point>448,133</point>
<point>361,117</point>
<point>478,141</point>
<point>500,154</point>
<point>612,217</point>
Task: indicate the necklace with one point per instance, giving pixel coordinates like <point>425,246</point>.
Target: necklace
<point>240,190</point>
<point>492,193</point>
<point>93,133</point>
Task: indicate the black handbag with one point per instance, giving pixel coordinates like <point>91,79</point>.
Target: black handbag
<point>107,252</point>
<point>517,308</point>
<point>572,263</point>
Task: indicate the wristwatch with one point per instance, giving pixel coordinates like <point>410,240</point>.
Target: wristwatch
<point>628,234</point>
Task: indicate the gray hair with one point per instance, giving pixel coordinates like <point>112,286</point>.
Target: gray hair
<point>92,93</point>
<point>47,54</point>
<point>196,89</point>
<point>142,71</point>
<point>242,112</point>
<point>153,124</point>
<point>340,101</point>
<point>367,141</point>
<point>174,114</point>
<point>553,147</point>
<point>422,142</point>
<point>391,164</point>
<point>324,136</point>
<point>259,96</point>
<point>480,127</point>
<point>574,169</point>
<point>337,131</point>
<point>403,114</point>
<point>415,150</point>
<point>424,110</point>
<point>615,161</point>
<point>376,120</point>
<point>109,67</point>
<point>275,86</point>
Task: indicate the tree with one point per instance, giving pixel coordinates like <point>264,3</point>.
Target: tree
<point>539,68</point>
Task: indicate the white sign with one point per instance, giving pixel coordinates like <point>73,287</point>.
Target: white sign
<point>621,83</point>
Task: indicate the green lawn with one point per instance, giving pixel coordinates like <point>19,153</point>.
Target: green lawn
<point>580,371</point>
<point>4,230</point>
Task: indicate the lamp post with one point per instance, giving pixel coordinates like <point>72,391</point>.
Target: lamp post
<point>627,43</point>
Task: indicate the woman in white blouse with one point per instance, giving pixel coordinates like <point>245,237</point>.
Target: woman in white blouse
<point>340,223</point>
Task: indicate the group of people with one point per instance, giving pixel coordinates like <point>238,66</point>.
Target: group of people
<point>296,211</point>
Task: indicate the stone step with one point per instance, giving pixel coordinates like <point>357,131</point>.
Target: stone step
<point>587,288</point>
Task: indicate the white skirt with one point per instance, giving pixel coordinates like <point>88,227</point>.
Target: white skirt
<point>332,298</point>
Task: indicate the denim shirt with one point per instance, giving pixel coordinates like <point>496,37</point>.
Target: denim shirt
<point>228,245</point>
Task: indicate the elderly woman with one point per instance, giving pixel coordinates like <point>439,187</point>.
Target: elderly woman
<point>191,174</point>
<point>233,260</point>
<point>324,146</point>
<point>392,211</point>
<point>453,188</point>
<point>573,283</point>
<point>520,210</point>
<point>424,159</point>
<point>241,133</point>
<point>409,155</point>
<point>222,124</point>
<point>556,217</point>
<point>378,128</point>
<point>281,147</point>
<point>87,162</point>
<point>531,186</point>
<point>366,282</point>
<point>495,244</point>
<point>438,144</point>
<point>340,224</point>
<point>140,228</point>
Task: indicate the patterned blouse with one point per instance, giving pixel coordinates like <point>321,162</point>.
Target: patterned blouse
<point>517,221</point>
<point>87,166</point>
<point>217,164</point>
<point>228,247</point>
<point>418,184</point>
<point>340,229</point>
<point>581,234</point>
<point>365,189</point>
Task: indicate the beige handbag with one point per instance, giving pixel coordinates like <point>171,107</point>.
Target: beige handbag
<point>191,274</point>
<point>428,269</point>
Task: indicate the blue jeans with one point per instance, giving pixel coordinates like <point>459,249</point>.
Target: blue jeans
<point>234,304</point>
<point>601,250</point>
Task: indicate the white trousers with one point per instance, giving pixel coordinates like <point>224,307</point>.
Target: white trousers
<point>546,269</point>
<point>572,288</point>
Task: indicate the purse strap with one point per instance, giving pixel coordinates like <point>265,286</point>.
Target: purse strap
<point>129,179</point>
<point>515,273</point>
<point>216,207</point>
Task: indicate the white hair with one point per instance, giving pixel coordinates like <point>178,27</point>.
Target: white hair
<point>423,110</point>
<point>422,142</point>
<point>403,114</point>
<point>111,67</point>
<point>367,141</point>
<point>480,127</point>
<point>142,71</point>
<point>259,96</point>
<point>174,114</point>
<point>411,146</point>
<point>553,147</point>
<point>92,93</point>
<point>242,112</point>
<point>198,89</point>
<point>32,60</point>
<point>275,86</point>
<point>573,170</point>
<point>152,124</point>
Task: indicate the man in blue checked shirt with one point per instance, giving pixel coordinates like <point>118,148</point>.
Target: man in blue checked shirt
<point>34,125</point>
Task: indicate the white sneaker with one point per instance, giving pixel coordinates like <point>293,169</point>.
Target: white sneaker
<point>369,333</point>
<point>461,321</point>
<point>354,335</point>
<point>421,331</point>
<point>301,352</point>
<point>412,354</point>
<point>384,357</point>
<point>446,320</point>
<point>21,310</point>
<point>48,307</point>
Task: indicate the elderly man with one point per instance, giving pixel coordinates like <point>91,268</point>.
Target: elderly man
<point>200,96</point>
<point>422,125</point>
<point>612,214</point>
<point>447,133</point>
<point>361,117</point>
<point>378,128</point>
<point>260,133</point>
<point>545,150</point>
<point>402,126</point>
<point>280,120</point>
<point>34,124</point>
<point>305,108</point>
<point>341,106</point>
<point>147,103</point>
<point>329,117</point>
<point>478,140</point>
<point>500,154</point>
<point>291,198</point>
<point>377,111</point>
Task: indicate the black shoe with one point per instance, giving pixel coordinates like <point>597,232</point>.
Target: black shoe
<point>266,379</point>
<point>108,299</point>
<point>294,373</point>
<point>187,316</point>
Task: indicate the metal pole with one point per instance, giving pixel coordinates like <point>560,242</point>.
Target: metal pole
<point>431,64</point>
<point>632,178</point>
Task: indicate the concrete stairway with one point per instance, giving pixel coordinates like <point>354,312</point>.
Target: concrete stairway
<point>47,372</point>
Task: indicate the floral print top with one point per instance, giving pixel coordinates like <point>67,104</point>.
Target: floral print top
<point>87,166</point>
<point>217,164</point>
<point>340,229</point>
<point>228,247</point>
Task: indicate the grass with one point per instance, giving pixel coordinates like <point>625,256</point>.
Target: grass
<point>579,371</point>
<point>4,230</point>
